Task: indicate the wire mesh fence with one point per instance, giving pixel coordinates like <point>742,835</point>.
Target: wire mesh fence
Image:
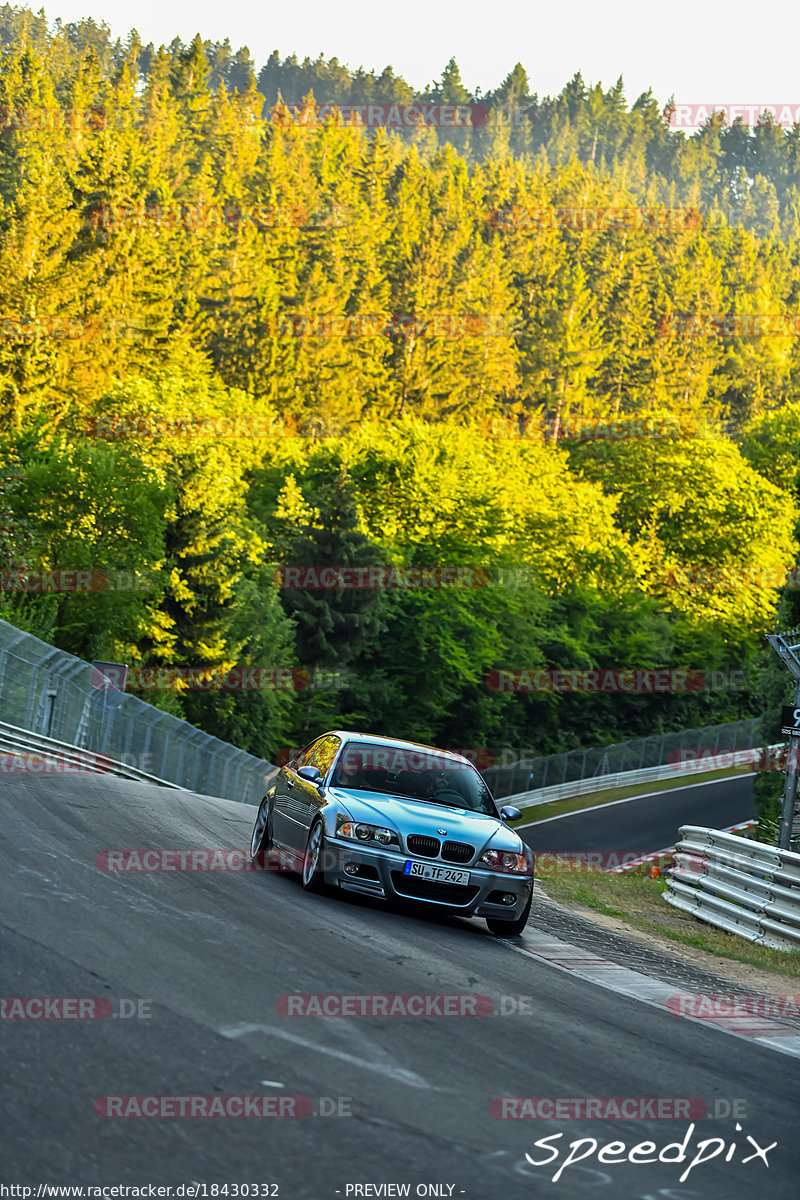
<point>530,774</point>
<point>53,694</point>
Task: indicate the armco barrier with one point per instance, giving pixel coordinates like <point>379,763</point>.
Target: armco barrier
<point>741,886</point>
<point>598,783</point>
<point>593,767</point>
<point>665,858</point>
<point>23,752</point>
<point>50,708</point>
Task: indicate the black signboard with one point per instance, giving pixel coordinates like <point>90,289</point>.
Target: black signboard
<point>790,721</point>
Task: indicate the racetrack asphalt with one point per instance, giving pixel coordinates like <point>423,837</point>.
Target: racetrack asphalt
<point>211,953</point>
<point>643,824</point>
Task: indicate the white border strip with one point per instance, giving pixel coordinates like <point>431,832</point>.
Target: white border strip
<point>574,960</point>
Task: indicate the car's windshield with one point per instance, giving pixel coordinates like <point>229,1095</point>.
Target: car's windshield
<point>418,774</point>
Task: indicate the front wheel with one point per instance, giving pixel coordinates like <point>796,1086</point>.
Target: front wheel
<point>312,877</point>
<point>505,929</point>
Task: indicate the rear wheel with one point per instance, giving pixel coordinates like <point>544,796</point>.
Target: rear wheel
<point>511,928</point>
<point>260,841</point>
<point>312,862</point>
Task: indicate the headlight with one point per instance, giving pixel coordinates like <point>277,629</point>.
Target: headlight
<point>358,832</point>
<point>506,861</point>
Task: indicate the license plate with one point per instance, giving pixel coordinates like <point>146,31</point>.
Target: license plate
<point>437,874</point>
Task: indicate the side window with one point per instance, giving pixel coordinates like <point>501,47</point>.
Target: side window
<point>322,753</point>
<point>301,759</point>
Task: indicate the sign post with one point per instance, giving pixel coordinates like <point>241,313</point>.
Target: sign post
<point>787,646</point>
<point>109,678</point>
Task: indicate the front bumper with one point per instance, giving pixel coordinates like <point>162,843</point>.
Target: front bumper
<point>376,871</point>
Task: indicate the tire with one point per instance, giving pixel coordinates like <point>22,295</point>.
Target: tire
<point>312,877</point>
<point>260,841</point>
<point>506,929</point>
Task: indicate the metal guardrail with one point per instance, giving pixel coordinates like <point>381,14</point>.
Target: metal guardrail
<point>598,783</point>
<point>27,753</point>
<point>54,699</point>
<point>529,773</point>
<point>741,886</point>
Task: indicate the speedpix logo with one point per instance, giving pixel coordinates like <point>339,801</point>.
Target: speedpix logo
<point>617,1152</point>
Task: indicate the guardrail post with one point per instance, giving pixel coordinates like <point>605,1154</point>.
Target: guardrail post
<point>224,782</point>
<point>32,688</point>
<point>197,763</point>
<point>128,738</point>
<point>179,768</point>
<point>786,646</point>
<point>165,753</point>
<point>237,782</point>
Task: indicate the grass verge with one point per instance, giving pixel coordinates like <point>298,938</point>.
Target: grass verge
<point>635,898</point>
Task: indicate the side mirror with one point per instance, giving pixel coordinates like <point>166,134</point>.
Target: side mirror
<point>509,813</point>
<point>312,774</point>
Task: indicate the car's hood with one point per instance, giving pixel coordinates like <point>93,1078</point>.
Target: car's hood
<point>407,816</point>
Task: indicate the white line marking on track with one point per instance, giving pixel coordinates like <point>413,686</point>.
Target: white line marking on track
<point>579,812</point>
<point>399,1074</point>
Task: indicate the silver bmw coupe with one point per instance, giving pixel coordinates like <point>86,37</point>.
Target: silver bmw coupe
<point>399,821</point>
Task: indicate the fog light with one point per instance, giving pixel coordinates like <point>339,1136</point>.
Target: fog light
<point>351,868</point>
<point>508,897</point>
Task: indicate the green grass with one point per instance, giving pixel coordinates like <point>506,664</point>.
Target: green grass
<point>635,897</point>
<point>554,808</point>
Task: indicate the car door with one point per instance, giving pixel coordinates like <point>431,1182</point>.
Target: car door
<point>302,797</point>
<point>285,809</point>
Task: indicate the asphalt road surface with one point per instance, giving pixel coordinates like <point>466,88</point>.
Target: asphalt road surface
<point>209,954</point>
<point>649,823</point>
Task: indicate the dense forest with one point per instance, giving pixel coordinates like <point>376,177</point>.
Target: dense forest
<point>552,360</point>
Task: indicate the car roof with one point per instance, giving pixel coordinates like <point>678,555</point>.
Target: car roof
<point>398,743</point>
